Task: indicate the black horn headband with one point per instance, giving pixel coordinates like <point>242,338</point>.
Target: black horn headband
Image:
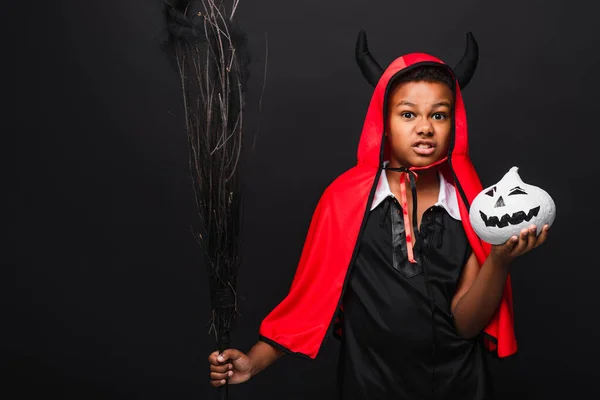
<point>371,70</point>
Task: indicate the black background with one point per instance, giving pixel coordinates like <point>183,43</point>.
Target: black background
<point>108,298</point>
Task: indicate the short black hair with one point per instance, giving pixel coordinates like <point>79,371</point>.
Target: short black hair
<point>426,73</point>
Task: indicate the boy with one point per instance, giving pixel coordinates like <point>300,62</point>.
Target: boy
<point>408,288</point>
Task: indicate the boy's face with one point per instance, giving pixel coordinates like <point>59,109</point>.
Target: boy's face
<point>419,123</point>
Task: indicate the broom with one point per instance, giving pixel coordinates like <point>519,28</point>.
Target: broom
<point>210,55</point>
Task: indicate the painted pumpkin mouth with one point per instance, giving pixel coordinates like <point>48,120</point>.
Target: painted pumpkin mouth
<point>515,219</point>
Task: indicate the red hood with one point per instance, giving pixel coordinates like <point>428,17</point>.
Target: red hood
<point>371,137</point>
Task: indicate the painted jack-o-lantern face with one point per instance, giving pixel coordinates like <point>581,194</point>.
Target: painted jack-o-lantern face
<point>504,209</point>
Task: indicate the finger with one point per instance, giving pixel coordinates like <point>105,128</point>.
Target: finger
<point>219,376</point>
<point>221,368</point>
<point>542,236</point>
<point>531,238</point>
<point>510,244</point>
<point>212,358</point>
<point>229,354</point>
<point>218,383</point>
<point>507,246</point>
<point>521,244</point>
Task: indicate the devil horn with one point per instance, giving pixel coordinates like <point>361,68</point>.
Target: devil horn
<point>369,67</point>
<point>465,68</point>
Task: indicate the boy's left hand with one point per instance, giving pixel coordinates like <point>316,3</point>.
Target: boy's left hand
<point>516,246</point>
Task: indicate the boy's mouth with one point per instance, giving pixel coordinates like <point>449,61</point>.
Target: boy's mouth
<point>424,147</point>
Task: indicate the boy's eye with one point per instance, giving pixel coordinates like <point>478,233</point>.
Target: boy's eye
<point>406,114</point>
<point>439,116</point>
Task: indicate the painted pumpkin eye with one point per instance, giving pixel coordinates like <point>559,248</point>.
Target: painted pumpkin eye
<point>517,190</point>
<point>491,192</point>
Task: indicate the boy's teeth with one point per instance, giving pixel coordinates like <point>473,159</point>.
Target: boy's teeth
<point>424,146</point>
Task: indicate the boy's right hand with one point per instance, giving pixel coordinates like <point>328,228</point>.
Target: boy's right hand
<point>231,365</point>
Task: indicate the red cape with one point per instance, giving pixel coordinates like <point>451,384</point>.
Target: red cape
<point>307,315</point>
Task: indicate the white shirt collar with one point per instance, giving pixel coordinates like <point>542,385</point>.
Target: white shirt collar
<point>446,197</point>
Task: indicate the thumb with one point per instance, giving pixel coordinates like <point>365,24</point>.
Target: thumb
<point>229,354</point>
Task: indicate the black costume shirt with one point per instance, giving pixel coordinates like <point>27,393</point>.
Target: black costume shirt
<point>393,345</point>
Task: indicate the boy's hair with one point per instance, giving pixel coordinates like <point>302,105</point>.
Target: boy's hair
<point>426,73</point>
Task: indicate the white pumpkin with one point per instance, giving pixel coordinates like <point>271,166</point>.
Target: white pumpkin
<point>504,209</point>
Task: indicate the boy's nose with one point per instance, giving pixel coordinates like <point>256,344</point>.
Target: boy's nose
<point>425,128</point>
